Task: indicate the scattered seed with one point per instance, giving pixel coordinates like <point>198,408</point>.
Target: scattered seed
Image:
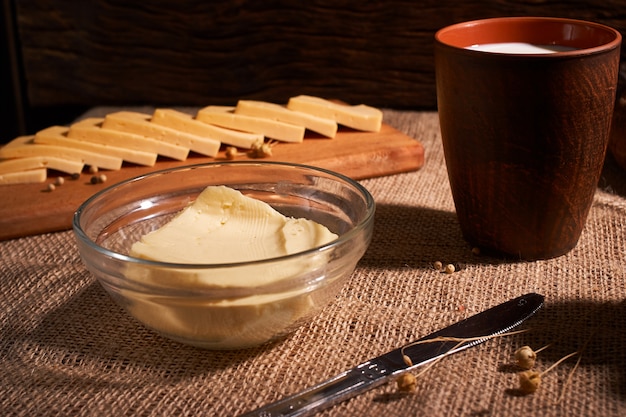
<point>59,181</point>
<point>529,381</point>
<point>231,152</point>
<point>407,383</point>
<point>407,360</point>
<point>438,265</point>
<point>266,149</point>
<point>76,175</point>
<point>525,357</point>
<point>260,149</point>
<point>98,179</point>
<point>93,169</point>
<point>475,251</point>
<point>51,187</point>
<point>450,269</point>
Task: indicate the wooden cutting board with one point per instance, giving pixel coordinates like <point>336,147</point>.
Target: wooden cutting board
<point>28,209</point>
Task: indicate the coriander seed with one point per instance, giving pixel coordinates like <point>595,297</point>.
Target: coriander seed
<point>529,381</point>
<point>231,152</point>
<point>525,357</point>
<point>260,149</point>
<point>407,383</point>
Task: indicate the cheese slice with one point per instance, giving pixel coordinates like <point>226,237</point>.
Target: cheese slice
<point>184,122</point>
<point>223,116</point>
<point>18,142</point>
<point>56,136</point>
<point>323,126</point>
<point>139,124</point>
<point>24,177</point>
<point>24,146</point>
<point>360,117</point>
<point>32,162</point>
<point>90,130</point>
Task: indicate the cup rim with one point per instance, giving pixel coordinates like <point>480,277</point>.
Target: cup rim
<point>605,37</point>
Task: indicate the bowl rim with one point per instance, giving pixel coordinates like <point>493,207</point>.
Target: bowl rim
<point>82,236</point>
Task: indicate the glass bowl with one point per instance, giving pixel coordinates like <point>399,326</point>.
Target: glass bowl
<point>211,305</point>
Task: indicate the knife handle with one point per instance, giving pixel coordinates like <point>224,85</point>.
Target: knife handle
<point>328,393</point>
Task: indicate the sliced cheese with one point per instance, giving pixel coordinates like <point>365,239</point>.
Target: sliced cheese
<point>24,146</point>
<point>321,125</point>
<point>360,117</point>
<point>24,177</point>
<point>18,142</point>
<point>90,130</point>
<point>139,124</point>
<point>223,116</point>
<point>186,123</point>
<point>56,136</point>
<point>32,162</point>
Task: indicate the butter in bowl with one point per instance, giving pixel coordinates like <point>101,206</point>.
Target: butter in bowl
<point>226,255</point>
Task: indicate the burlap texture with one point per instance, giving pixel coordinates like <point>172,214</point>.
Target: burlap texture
<point>67,349</point>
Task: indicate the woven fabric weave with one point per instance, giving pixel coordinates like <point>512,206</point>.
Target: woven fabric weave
<point>67,349</point>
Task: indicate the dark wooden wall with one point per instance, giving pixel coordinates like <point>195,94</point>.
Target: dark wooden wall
<point>75,54</point>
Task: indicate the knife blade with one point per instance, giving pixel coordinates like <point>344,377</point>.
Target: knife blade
<point>375,372</point>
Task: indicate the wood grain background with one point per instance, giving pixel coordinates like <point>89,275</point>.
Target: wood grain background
<point>199,52</point>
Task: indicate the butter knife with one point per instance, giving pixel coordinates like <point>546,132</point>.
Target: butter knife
<point>375,372</point>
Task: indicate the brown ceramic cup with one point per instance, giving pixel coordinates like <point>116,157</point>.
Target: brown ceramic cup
<point>525,134</point>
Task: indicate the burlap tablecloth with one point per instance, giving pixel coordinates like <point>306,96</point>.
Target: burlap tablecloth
<point>67,349</point>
